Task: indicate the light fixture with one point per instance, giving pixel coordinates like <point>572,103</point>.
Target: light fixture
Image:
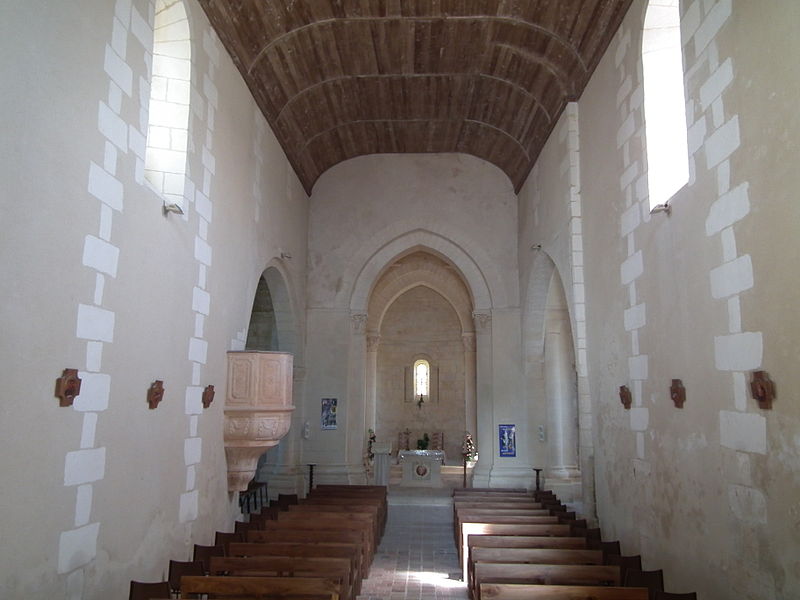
<point>659,208</point>
<point>172,208</point>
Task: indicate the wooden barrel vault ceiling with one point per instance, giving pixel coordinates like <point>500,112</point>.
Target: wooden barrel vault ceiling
<point>341,78</point>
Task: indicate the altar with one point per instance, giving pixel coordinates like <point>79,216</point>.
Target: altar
<point>421,468</point>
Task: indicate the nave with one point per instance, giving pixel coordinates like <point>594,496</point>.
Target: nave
<point>417,557</point>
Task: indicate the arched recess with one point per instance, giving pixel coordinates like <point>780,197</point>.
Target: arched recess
<point>551,380</point>
<point>274,327</point>
<point>482,280</point>
<point>422,269</point>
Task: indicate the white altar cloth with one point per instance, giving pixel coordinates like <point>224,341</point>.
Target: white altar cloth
<point>422,468</point>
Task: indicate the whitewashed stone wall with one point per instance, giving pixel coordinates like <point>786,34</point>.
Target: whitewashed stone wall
<point>108,490</point>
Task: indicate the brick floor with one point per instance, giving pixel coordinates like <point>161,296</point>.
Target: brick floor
<point>416,559</point>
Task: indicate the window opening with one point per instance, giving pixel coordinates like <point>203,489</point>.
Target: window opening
<point>422,379</point>
<point>170,93</point>
<point>664,101</point>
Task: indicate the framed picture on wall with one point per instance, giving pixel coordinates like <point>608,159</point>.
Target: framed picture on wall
<point>328,417</point>
<point>508,440</point>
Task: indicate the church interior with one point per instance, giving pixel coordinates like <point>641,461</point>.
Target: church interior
<point>555,235</point>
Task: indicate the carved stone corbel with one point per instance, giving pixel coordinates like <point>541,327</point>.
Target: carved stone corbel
<point>359,323</point>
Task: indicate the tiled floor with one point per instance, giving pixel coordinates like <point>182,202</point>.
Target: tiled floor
<point>417,558</point>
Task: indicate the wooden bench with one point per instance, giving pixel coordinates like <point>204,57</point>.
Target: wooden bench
<point>358,503</point>
<point>288,566</point>
<point>292,536</point>
<point>305,550</point>
<point>544,574</point>
<point>512,591</point>
<point>260,587</point>
<point>475,529</point>
<point>344,510</point>
<point>543,556</point>
<point>364,529</point>
<point>496,515</point>
<point>477,520</point>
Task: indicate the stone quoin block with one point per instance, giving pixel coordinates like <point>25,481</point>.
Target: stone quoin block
<point>738,352</point>
<point>632,268</point>
<point>728,209</point>
<point>95,391</point>
<point>95,323</point>
<point>105,187</point>
<point>100,255</point>
<point>746,432</point>
<point>84,466</point>
<point>732,277</point>
<point>77,547</point>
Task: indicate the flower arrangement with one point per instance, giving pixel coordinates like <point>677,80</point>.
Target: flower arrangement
<point>423,443</point>
<point>468,449</point>
<point>370,441</point>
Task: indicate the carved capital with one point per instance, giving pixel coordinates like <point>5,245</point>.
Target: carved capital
<point>468,340</point>
<point>483,322</point>
<point>359,322</point>
<point>373,341</point>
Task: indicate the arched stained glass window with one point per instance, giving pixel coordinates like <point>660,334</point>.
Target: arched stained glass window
<point>422,378</point>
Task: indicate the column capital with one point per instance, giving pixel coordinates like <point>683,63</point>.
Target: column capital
<point>373,341</point>
<point>483,321</point>
<point>359,322</point>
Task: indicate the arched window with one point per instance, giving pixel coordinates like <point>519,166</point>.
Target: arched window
<point>170,92</point>
<point>664,102</point>
<point>422,378</point>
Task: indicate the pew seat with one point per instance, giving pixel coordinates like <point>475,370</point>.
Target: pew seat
<point>509,591</point>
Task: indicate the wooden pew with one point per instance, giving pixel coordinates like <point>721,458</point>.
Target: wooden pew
<point>543,556</point>
<point>474,529</point>
<point>319,538</point>
<point>544,574</point>
<point>355,494</point>
<point>471,519</point>
<point>493,515</point>
<point>512,591</point>
<point>348,500</point>
<point>468,491</point>
<point>285,566</point>
<point>331,521</point>
<point>305,550</point>
<point>260,587</point>
<point>372,511</point>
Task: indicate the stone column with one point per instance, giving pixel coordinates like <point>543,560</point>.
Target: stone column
<point>470,405</point>
<point>373,341</point>
<point>485,433</point>
<point>561,392</point>
<point>356,398</point>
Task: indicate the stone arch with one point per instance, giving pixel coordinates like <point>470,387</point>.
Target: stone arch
<point>412,271</point>
<point>281,298</point>
<point>474,266</point>
<point>550,373</point>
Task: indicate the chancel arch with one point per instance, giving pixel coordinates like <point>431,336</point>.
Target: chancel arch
<point>420,308</point>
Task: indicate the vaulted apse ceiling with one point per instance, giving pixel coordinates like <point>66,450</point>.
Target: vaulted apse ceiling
<point>342,78</point>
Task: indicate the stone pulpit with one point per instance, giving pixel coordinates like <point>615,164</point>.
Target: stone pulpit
<point>258,410</point>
